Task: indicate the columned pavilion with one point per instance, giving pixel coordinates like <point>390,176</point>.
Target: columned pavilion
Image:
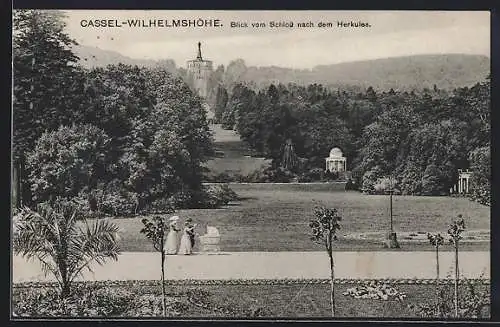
<point>336,162</point>
<point>463,181</point>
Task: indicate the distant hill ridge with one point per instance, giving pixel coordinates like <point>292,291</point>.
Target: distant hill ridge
<point>96,57</point>
<point>447,71</point>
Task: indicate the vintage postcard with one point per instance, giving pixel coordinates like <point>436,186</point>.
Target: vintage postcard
<point>251,164</point>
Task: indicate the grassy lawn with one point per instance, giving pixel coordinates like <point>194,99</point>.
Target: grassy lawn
<point>234,157</point>
<point>273,217</point>
<point>285,301</point>
<point>308,301</point>
<point>276,217</point>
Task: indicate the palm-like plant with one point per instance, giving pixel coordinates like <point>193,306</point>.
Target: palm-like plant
<point>63,241</point>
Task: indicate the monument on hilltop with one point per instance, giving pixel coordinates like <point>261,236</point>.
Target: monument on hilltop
<point>198,73</point>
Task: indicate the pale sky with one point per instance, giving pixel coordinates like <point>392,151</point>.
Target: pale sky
<point>392,33</point>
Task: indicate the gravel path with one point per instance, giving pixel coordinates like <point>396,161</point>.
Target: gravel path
<point>274,265</point>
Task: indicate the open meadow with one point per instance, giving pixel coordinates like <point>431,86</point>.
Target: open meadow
<point>275,217</point>
<point>233,156</point>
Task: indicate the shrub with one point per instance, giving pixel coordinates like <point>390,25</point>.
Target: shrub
<point>84,301</point>
<point>271,175</point>
<point>312,175</point>
<point>351,185</point>
<point>304,178</point>
<point>146,305</point>
<point>115,202</point>
<point>369,180</point>
<point>241,178</point>
<point>331,175</point>
<point>480,188</point>
<point>182,200</point>
<point>381,185</point>
<point>119,204</point>
<point>150,305</point>
<point>214,196</point>
<point>66,161</point>
<point>411,179</point>
<point>227,193</point>
<point>384,185</point>
<point>161,206</point>
<point>110,301</point>
<point>225,178</point>
<point>108,200</point>
<point>317,174</point>
<point>201,299</point>
<point>37,302</point>
<point>474,303</point>
<point>433,181</point>
<point>254,177</point>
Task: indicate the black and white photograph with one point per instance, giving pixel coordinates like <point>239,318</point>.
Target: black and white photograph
<point>253,165</point>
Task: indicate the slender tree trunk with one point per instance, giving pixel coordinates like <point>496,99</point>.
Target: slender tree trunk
<point>65,284</point>
<point>65,293</point>
<point>437,281</point>
<point>457,276</point>
<point>15,185</point>
<point>332,285</point>
<point>20,179</point>
<point>62,261</point>
<point>65,289</point>
<point>163,303</point>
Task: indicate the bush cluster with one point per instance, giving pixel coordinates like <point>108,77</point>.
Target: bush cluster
<point>317,175</point>
<point>103,301</point>
<point>100,203</point>
<point>271,175</point>
<point>85,301</point>
<point>276,175</point>
<point>474,303</point>
<point>217,195</point>
<point>149,305</point>
<point>109,200</point>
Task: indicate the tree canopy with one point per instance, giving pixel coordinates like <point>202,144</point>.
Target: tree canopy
<point>421,137</point>
<point>123,136</point>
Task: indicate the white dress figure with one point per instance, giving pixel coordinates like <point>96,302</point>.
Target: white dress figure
<point>171,243</point>
<point>187,238</point>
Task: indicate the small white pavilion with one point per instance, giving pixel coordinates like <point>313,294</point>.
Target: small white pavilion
<point>336,162</point>
<point>463,181</point>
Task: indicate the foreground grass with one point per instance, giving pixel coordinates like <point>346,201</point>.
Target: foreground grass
<point>296,301</point>
<point>276,218</point>
<point>278,301</point>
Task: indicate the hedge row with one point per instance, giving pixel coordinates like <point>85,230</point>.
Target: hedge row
<point>402,281</point>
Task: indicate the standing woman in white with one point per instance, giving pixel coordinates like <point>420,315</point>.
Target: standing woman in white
<point>171,243</point>
<point>187,238</point>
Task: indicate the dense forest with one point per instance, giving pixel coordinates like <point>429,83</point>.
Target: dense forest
<point>420,138</point>
<point>124,138</point>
